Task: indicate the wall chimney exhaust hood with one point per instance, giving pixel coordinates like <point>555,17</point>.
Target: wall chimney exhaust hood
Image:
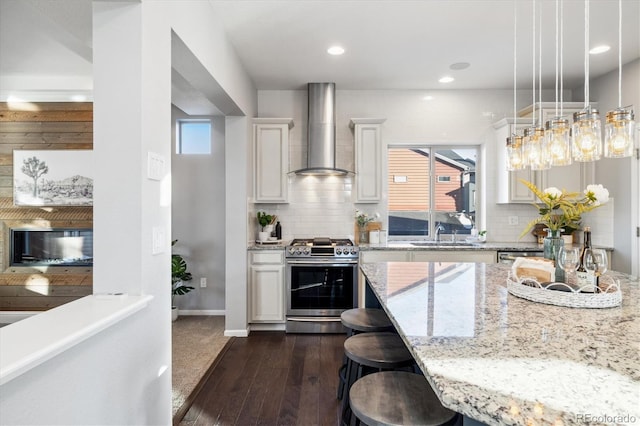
<point>321,132</point>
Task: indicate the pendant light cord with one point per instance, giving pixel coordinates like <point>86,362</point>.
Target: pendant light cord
<point>557,3</point>
<point>515,58</point>
<point>533,56</point>
<point>541,124</point>
<point>561,57</point>
<point>619,53</point>
<point>586,53</point>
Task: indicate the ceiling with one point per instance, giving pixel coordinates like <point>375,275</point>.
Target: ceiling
<point>396,44</point>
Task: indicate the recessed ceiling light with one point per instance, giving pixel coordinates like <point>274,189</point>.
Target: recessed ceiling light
<point>335,50</point>
<point>460,66</point>
<point>599,49</point>
<point>428,98</point>
<point>446,79</point>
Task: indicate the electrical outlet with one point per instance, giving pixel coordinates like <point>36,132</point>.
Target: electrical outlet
<point>513,220</point>
<point>203,282</point>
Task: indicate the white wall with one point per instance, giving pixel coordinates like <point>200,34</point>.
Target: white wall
<point>198,217</point>
<point>123,375</point>
<point>615,173</point>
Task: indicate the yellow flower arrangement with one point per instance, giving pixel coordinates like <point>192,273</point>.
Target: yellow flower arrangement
<point>563,210</point>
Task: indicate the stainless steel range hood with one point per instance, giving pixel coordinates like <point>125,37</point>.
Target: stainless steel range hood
<point>321,131</point>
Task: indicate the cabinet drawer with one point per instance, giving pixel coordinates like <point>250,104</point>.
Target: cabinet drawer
<point>266,257</point>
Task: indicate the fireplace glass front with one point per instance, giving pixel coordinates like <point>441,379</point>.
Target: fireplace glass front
<point>51,247</point>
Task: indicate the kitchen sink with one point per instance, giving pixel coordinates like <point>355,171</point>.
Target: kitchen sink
<point>442,243</point>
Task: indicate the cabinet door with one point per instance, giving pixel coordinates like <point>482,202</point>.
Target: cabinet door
<point>485,256</point>
<point>266,293</point>
<point>271,162</point>
<point>385,256</point>
<point>368,160</point>
<point>509,189</point>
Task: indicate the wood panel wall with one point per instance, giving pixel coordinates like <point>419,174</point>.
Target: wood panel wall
<point>41,126</point>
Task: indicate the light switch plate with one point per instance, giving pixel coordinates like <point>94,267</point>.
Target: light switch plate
<point>513,220</point>
<point>157,245</point>
<point>155,166</point>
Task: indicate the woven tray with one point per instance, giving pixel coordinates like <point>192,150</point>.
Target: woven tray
<point>530,289</point>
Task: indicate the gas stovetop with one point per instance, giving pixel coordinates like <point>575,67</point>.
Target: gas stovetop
<point>322,247</point>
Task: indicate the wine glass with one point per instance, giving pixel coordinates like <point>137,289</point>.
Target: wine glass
<point>595,261</point>
<point>568,259</point>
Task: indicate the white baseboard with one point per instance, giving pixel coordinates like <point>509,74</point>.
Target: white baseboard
<point>211,312</point>
<point>237,333</point>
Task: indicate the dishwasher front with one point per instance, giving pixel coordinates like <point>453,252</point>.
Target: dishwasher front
<point>508,257</point>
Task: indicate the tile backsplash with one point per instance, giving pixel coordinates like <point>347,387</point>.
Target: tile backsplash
<point>318,206</point>
<point>499,229</point>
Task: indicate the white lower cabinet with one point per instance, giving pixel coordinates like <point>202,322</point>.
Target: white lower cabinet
<point>266,287</point>
<point>486,256</point>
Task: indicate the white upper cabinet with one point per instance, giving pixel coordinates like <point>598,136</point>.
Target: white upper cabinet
<point>368,159</point>
<point>573,178</point>
<point>271,159</point>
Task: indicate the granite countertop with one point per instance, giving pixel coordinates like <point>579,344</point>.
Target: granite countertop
<point>280,245</point>
<point>502,360</point>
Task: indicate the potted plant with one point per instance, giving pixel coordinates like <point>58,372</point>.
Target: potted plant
<point>266,222</point>
<point>179,275</point>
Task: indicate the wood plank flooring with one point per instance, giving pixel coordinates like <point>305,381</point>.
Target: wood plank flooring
<point>272,378</point>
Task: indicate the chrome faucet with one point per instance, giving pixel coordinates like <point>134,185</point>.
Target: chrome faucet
<point>439,228</point>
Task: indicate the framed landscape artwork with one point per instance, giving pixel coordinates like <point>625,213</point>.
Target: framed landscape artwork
<point>53,178</point>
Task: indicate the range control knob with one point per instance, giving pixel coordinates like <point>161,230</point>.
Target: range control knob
<point>307,250</point>
<point>338,251</point>
<point>291,250</point>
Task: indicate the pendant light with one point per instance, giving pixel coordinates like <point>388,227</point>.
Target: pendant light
<point>586,130</point>
<point>514,142</point>
<point>535,150</point>
<point>557,134</point>
<point>619,128</point>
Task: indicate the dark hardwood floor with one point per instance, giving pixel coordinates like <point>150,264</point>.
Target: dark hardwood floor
<point>272,378</point>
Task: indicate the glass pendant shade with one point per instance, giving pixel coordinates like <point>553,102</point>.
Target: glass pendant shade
<point>535,151</point>
<point>586,135</point>
<point>514,153</point>
<point>558,141</point>
<point>619,133</point>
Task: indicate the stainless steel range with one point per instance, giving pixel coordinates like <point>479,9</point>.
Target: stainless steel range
<point>322,282</point>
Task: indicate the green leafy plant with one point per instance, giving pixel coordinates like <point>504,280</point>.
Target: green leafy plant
<point>482,233</point>
<point>265,219</point>
<point>561,210</point>
<point>179,274</point>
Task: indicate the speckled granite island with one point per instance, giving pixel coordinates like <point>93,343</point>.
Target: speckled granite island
<point>507,361</point>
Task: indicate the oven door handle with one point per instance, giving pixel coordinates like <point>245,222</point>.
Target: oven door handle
<point>314,319</point>
<point>323,262</point>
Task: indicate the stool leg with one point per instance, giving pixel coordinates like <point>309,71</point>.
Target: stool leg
<point>351,377</point>
<point>342,378</point>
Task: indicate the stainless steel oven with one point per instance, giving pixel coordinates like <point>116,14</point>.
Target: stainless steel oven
<point>322,282</point>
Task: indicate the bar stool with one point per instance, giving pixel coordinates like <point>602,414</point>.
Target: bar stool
<point>365,320</point>
<point>397,398</point>
<point>361,320</point>
<point>371,352</point>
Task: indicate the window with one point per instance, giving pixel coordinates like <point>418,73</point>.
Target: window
<point>194,137</point>
<point>437,188</point>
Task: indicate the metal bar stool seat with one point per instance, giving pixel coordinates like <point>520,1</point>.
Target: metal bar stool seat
<point>370,352</point>
<point>397,398</point>
<point>361,320</point>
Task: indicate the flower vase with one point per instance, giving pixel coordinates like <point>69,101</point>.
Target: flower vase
<point>552,244</point>
<point>363,237</point>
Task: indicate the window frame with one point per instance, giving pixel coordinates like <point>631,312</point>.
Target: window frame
<point>179,124</point>
<point>433,181</point>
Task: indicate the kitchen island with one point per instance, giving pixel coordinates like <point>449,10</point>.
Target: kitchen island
<point>502,360</point>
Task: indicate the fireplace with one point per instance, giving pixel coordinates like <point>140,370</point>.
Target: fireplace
<point>51,247</point>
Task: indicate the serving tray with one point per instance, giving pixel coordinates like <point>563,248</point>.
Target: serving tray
<point>561,294</point>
